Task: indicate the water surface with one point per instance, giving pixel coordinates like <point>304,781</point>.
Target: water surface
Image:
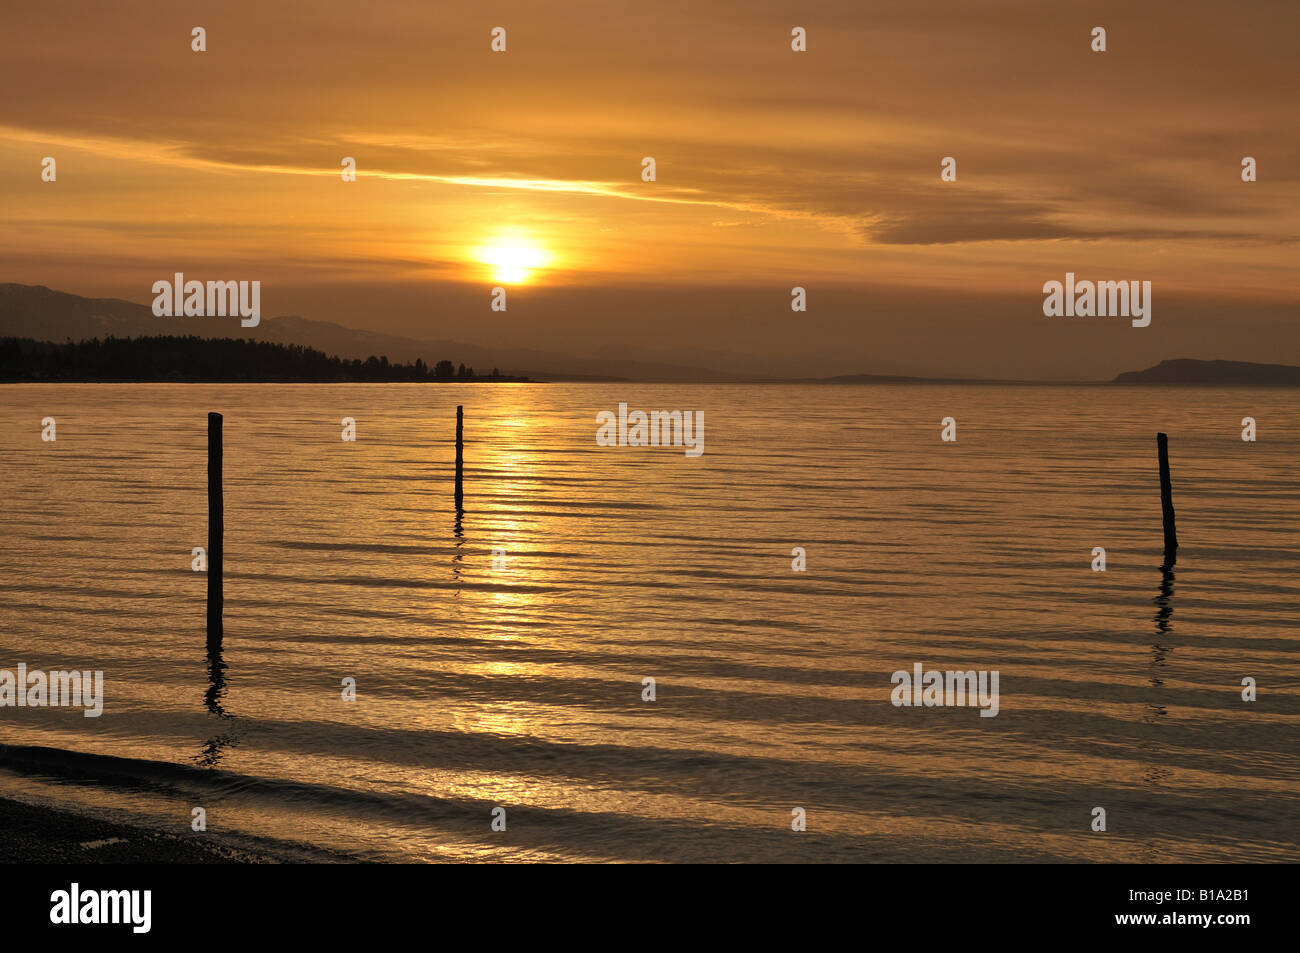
<point>521,686</point>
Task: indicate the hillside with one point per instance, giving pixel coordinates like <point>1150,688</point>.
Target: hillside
<point>1221,373</point>
<point>43,314</point>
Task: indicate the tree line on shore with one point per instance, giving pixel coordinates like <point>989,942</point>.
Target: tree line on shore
<point>193,358</point>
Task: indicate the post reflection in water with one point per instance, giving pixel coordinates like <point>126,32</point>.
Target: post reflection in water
<point>1160,648</point>
<point>211,753</point>
<point>458,555</point>
<point>1157,774</point>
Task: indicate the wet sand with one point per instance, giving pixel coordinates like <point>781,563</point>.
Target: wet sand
<point>46,835</point>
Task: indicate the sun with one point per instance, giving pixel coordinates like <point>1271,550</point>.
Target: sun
<point>512,259</point>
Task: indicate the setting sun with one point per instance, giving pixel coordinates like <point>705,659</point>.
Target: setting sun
<point>512,259</point>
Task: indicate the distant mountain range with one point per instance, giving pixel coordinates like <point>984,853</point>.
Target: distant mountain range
<point>42,314</point>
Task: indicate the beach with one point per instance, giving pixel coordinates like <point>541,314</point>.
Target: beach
<point>45,835</point>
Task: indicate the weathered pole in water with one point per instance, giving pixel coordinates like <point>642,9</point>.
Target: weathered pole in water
<point>216,529</point>
<point>460,457</point>
<point>1167,500</point>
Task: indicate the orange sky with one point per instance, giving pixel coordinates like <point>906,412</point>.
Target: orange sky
<point>775,169</point>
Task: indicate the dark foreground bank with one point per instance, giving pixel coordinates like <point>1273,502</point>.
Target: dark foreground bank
<point>47,835</point>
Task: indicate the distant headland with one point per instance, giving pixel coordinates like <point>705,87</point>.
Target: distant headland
<point>1214,373</point>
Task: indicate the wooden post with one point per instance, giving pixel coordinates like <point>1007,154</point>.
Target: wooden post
<point>1167,500</point>
<point>216,529</point>
<point>460,457</point>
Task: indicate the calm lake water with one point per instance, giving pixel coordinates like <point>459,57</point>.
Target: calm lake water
<point>521,686</point>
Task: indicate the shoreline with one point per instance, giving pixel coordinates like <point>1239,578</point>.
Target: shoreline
<point>41,834</point>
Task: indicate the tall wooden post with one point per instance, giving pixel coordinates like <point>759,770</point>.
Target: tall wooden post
<point>216,529</point>
<point>460,457</point>
<point>1167,500</point>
